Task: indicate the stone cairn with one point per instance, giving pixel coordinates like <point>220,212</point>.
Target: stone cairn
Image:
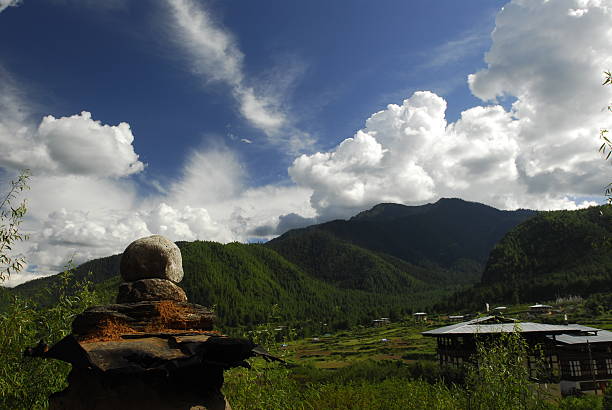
<point>152,349</point>
<point>149,300</point>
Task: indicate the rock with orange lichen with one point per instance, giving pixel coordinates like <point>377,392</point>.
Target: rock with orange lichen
<point>145,316</point>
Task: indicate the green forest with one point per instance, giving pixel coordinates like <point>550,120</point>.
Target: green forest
<point>554,254</point>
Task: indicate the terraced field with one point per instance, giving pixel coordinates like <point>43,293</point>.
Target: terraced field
<point>400,341</point>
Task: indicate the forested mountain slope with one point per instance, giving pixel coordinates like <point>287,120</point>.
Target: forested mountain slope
<point>244,281</point>
<point>446,241</point>
<point>96,270</point>
<point>556,253</point>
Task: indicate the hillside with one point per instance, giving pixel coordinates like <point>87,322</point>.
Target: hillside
<point>387,261</point>
<point>556,253</point>
<point>244,281</point>
<point>96,270</point>
<point>322,255</point>
<point>445,242</point>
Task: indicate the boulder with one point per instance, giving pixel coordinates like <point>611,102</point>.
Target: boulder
<point>152,257</point>
<point>150,289</point>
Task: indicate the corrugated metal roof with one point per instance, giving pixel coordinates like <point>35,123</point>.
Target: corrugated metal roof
<point>480,325</point>
<point>594,335</point>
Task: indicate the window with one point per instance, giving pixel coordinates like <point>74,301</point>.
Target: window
<point>575,368</point>
<point>594,367</point>
<point>609,365</point>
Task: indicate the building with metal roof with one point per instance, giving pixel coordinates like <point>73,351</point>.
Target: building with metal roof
<point>578,357</point>
<point>585,359</point>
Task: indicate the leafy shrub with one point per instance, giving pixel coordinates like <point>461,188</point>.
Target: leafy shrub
<point>26,383</point>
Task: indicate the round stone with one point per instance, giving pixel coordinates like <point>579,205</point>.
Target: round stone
<point>150,289</point>
<point>152,257</point>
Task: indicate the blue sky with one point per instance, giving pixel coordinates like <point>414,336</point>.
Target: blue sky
<point>237,120</point>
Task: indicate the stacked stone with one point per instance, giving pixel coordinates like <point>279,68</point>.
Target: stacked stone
<point>149,299</point>
<point>151,268</point>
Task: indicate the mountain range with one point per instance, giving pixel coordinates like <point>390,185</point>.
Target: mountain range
<point>386,261</point>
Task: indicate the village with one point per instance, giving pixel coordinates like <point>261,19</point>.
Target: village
<point>574,358</point>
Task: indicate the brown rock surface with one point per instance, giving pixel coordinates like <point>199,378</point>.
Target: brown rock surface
<point>150,289</point>
<point>152,257</point>
<point>144,317</point>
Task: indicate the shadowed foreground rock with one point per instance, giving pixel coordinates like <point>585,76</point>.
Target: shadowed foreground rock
<point>146,354</point>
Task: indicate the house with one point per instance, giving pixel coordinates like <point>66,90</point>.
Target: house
<point>381,322</point>
<point>578,357</point>
<point>420,317</point>
<point>456,318</point>
<point>585,360</point>
<point>540,309</point>
<point>457,342</point>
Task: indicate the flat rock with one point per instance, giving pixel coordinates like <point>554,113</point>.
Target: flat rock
<point>143,317</point>
<point>152,257</point>
<point>150,289</point>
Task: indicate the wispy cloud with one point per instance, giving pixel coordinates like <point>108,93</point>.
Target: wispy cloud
<point>456,50</point>
<point>8,3</point>
<point>216,56</point>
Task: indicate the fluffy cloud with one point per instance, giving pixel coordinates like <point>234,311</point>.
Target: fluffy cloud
<point>216,56</point>
<point>79,145</point>
<point>549,56</point>
<point>75,145</point>
<point>215,179</point>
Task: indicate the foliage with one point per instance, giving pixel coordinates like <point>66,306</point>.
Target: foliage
<point>45,290</point>
<point>10,221</point>
<point>500,381</point>
<point>587,402</point>
<point>26,383</point>
<point>274,387</point>
<point>554,254</point>
<point>500,376</point>
<point>607,401</point>
<point>606,146</point>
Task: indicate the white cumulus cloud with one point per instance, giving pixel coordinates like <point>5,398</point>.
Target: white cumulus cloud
<point>547,55</point>
<point>75,145</point>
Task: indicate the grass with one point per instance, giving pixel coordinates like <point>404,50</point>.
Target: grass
<point>403,341</point>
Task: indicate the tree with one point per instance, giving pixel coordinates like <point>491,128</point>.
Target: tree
<point>500,376</point>
<point>10,221</point>
<point>606,146</point>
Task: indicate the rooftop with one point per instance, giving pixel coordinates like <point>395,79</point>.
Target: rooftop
<point>588,334</point>
<point>496,324</point>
